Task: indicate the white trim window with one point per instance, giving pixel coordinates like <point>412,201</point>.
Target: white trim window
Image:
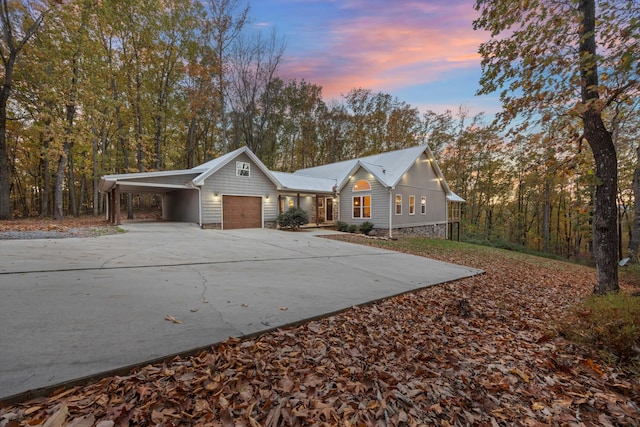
<point>423,205</point>
<point>243,169</point>
<point>412,205</point>
<point>362,206</point>
<point>362,185</point>
<point>398,204</point>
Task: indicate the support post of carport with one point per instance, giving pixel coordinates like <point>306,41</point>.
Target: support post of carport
<point>112,206</point>
<point>117,205</point>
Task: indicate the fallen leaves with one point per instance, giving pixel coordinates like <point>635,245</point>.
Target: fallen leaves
<point>172,319</point>
<point>480,351</point>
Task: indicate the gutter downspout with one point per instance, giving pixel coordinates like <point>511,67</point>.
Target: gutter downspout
<point>199,206</point>
<point>390,212</point>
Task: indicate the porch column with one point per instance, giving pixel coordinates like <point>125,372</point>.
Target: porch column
<point>117,205</point>
<point>112,205</point>
<point>317,210</point>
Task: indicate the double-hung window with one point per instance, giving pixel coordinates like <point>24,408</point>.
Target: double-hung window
<point>398,204</point>
<point>423,205</point>
<point>412,205</point>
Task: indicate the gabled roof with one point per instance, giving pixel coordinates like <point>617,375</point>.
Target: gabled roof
<point>212,166</point>
<point>388,168</point>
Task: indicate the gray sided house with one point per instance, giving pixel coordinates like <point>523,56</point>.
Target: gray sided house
<point>400,192</point>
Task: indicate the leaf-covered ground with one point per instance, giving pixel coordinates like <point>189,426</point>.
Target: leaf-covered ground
<point>48,228</point>
<point>480,351</point>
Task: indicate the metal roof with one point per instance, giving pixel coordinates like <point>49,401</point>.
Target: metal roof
<point>388,168</point>
<point>289,181</point>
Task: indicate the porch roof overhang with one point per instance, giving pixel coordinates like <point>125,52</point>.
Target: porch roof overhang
<point>453,197</point>
<point>294,183</point>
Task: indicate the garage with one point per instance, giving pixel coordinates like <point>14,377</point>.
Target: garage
<point>241,212</point>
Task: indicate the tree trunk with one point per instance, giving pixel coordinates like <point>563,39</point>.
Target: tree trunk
<point>634,241</point>
<point>605,233</point>
<point>546,216</point>
<point>58,202</point>
<point>5,172</point>
<point>94,174</point>
<point>73,203</point>
<point>46,178</point>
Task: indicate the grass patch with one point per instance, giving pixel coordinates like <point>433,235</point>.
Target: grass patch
<point>610,326</point>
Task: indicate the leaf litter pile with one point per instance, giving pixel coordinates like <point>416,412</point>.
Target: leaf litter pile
<point>480,351</point>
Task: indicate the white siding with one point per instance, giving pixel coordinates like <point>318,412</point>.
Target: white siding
<point>379,201</point>
<point>420,180</point>
<point>225,182</point>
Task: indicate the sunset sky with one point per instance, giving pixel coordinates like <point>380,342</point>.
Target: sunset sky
<point>422,51</point>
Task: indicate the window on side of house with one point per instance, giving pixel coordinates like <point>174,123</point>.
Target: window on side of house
<point>362,206</point>
<point>398,204</point>
<point>412,205</point>
<point>423,205</point>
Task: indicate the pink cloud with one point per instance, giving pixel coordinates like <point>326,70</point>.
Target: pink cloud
<point>389,45</point>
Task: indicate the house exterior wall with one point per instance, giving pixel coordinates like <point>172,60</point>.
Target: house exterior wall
<point>379,200</point>
<point>420,181</point>
<point>225,182</point>
<point>181,205</point>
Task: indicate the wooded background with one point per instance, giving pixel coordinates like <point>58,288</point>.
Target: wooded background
<point>115,86</point>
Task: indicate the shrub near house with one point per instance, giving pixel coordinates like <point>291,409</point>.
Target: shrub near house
<point>293,219</point>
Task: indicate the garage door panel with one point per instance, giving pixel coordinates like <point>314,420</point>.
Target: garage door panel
<point>241,212</point>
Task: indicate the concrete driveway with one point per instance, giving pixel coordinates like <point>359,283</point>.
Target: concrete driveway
<point>77,307</point>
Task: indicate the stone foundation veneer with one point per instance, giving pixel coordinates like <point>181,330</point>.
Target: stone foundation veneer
<point>211,226</point>
<point>437,231</point>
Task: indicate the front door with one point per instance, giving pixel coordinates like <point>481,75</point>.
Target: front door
<point>328,205</point>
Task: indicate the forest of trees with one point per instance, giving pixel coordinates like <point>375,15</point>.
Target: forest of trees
<point>95,87</point>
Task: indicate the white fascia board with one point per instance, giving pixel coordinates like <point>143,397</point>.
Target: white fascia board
<point>199,180</point>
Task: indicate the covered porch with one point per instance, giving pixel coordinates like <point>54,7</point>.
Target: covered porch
<point>322,208</point>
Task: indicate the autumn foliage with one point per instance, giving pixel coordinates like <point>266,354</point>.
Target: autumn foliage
<point>479,351</point>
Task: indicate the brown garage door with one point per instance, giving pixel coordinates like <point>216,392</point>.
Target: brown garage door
<point>241,212</point>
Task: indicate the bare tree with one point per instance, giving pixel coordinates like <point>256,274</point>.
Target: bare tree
<point>226,21</point>
<point>255,62</point>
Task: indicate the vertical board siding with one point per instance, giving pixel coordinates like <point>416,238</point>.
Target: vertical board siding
<point>225,182</point>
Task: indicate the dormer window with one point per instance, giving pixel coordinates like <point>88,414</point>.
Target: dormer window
<point>362,185</point>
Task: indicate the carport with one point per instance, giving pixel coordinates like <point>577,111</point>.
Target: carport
<point>180,198</point>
